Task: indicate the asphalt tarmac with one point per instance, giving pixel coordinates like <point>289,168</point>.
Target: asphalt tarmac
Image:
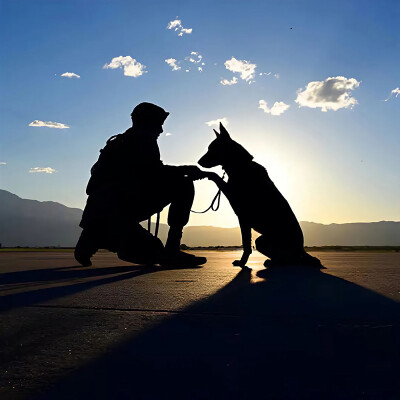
<point>123,331</point>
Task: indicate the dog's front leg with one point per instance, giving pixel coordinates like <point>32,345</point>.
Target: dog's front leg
<point>245,229</point>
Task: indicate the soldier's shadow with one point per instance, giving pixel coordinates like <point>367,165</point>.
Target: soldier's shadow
<point>281,334</point>
<point>28,287</point>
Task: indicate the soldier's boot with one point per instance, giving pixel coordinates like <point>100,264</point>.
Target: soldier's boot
<point>173,256</point>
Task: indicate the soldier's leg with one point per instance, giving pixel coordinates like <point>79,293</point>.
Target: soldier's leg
<point>173,189</point>
<point>139,246</point>
<point>85,248</point>
<point>182,191</point>
<point>98,227</point>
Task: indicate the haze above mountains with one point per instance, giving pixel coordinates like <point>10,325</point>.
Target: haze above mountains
<point>32,223</point>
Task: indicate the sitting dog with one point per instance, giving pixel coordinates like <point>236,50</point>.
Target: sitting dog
<point>257,203</point>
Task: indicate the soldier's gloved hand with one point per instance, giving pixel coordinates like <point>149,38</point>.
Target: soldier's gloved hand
<point>193,172</point>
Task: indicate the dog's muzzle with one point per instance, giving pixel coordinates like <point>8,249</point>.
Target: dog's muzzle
<point>206,162</point>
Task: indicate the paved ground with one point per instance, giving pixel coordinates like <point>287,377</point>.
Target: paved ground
<point>121,331</point>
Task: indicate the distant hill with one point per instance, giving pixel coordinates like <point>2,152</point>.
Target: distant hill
<point>36,223</point>
<point>383,233</point>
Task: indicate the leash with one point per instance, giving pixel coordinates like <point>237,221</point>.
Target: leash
<point>157,224</point>
<point>214,206</point>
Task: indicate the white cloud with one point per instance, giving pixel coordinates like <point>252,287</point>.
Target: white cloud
<point>217,121</point>
<point>70,75</point>
<point>226,82</point>
<point>176,25</point>
<point>194,57</point>
<point>264,73</point>
<point>173,63</point>
<point>48,124</point>
<point>245,68</point>
<point>130,65</point>
<point>278,108</point>
<point>331,94</point>
<point>395,92</point>
<point>168,134</point>
<point>277,76</point>
<point>3,163</point>
<point>46,170</point>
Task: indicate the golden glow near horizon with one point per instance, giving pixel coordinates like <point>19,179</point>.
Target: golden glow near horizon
<point>304,175</point>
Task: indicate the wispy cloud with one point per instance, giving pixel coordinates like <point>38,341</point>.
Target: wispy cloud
<point>176,25</point>
<point>188,31</point>
<point>173,63</point>
<point>246,69</point>
<point>48,124</point>
<point>395,92</point>
<point>70,75</point>
<point>193,58</point>
<point>215,122</point>
<point>3,163</point>
<point>276,76</point>
<point>331,94</point>
<point>265,73</point>
<point>130,65</point>
<point>226,82</point>
<point>278,108</point>
<point>43,170</point>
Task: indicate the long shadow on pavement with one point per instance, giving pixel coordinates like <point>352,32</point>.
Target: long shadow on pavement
<point>281,334</point>
<point>62,277</point>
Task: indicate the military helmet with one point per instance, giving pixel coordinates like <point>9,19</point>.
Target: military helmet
<point>148,113</point>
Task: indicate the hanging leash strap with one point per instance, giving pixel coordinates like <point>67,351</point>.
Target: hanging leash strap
<point>214,206</point>
<point>157,225</point>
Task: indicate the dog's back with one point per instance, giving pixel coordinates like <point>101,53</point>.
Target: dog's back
<point>254,196</point>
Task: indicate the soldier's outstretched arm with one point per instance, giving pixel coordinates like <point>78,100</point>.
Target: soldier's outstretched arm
<point>212,176</point>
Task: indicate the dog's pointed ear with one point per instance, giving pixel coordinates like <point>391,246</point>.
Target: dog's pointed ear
<point>216,133</point>
<point>224,132</point>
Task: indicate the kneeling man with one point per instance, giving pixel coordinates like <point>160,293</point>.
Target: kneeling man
<point>128,184</point>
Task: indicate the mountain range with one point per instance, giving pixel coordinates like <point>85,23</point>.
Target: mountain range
<point>32,223</point>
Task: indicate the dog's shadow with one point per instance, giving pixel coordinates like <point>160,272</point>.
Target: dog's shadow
<point>279,333</point>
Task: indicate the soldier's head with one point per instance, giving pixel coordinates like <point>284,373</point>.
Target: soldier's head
<point>148,118</point>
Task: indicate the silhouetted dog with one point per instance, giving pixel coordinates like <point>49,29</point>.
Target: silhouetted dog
<point>257,203</point>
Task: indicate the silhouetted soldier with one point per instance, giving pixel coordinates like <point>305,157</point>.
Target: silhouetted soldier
<point>128,184</point>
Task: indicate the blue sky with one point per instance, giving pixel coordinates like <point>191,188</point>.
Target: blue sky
<point>341,165</point>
